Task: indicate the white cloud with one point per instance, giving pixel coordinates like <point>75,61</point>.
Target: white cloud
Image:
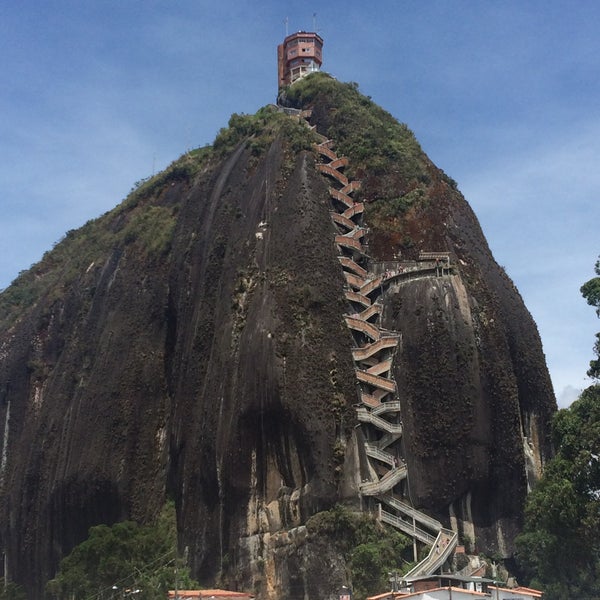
<point>567,396</point>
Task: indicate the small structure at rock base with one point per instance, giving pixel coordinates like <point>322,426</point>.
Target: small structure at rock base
<point>213,594</point>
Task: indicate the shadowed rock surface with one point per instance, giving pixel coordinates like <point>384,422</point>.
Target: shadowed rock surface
<point>191,344</point>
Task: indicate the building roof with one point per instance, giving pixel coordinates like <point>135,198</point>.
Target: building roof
<point>523,591</point>
<point>387,595</point>
<point>220,594</point>
<point>446,588</point>
<point>312,34</point>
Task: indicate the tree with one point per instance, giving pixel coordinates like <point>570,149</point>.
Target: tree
<point>11,591</point>
<point>590,290</point>
<point>372,561</point>
<point>559,549</point>
<point>121,559</point>
<point>370,549</point>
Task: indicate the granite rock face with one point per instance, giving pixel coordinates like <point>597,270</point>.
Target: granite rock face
<point>215,368</point>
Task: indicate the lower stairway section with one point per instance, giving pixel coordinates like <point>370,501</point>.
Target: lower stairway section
<point>440,552</point>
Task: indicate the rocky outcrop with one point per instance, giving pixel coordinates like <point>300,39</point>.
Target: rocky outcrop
<point>192,344</point>
<point>475,391</point>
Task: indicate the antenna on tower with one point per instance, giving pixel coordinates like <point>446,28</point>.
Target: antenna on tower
<point>314,22</point>
<point>286,21</point>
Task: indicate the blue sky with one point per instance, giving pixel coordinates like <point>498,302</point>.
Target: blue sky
<point>504,96</point>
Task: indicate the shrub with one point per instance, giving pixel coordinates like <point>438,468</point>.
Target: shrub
<point>370,549</point>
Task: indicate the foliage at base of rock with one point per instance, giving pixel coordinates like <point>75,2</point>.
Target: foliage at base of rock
<point>559,549</point>
<point>124,558</point>
<point>371,550</point>
<point>11,591</point>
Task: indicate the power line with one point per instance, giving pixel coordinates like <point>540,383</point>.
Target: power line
<point>146,570</point>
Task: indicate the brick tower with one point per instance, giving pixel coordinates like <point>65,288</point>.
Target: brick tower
<point>299,54</point>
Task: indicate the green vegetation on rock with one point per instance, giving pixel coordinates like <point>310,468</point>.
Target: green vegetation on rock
<point>371,550</point>
<point>181,170</point>
<point>11,591</point>
<point>398,180</point>
<point>366,133</point>
<point>260,130</point>
<point>142,222</point>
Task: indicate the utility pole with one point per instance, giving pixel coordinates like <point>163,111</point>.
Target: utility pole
<point>415,555</point>
<point>394,580</point>
<point>176,575</point>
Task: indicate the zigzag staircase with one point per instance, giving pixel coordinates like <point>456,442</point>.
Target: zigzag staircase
<point>379,409</point>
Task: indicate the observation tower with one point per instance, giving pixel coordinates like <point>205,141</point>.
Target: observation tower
<point>300,53</point>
